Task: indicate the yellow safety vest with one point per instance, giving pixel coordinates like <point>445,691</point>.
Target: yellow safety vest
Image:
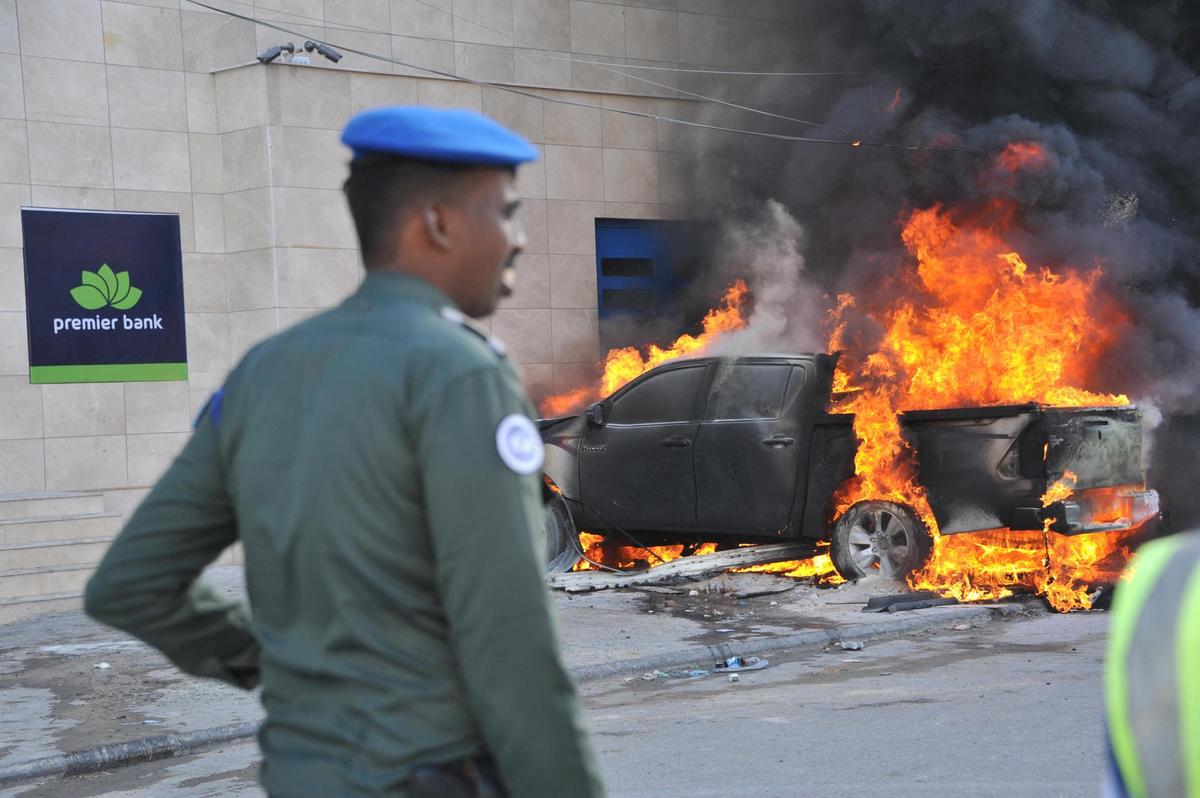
<point>1152,680</point>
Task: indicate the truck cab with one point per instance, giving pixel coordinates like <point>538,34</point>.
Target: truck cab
<point>719,444</point>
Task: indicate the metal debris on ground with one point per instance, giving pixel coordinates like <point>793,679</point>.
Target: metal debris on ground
<point>682,569</point>
<point>919,600</point>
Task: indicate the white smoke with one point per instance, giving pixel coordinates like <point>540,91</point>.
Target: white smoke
<point>788,305</point>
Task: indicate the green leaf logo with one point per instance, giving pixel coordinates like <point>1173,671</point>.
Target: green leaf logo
<point>103,288</point>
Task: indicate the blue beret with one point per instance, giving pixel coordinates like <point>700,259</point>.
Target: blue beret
<point>436,134</point>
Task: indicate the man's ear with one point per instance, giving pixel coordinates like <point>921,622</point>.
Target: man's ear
<point>438,224</point>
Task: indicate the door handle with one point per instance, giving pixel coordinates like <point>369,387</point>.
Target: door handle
<point>776,441</point>
<point>677,442</point>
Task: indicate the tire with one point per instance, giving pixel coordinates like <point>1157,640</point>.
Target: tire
<point>562,541</point>
<point>876,537</point>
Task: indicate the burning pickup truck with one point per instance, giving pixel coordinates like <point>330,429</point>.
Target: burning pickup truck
<point>746,450</point>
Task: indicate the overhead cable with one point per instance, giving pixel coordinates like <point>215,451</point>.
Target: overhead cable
<point>581,104</point>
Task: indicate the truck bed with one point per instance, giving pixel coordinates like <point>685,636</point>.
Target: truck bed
<point>988,467</point>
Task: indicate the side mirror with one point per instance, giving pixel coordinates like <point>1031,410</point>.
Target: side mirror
<point>595,415</point>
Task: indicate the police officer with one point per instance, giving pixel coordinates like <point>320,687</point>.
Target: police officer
<point>1153,674</point>
<point>379,466</point>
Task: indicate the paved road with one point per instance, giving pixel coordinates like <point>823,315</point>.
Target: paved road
<point>1009,708</point>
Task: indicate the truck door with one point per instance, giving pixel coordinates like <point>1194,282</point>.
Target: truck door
<point>636,469</point>
<point>749,448</point>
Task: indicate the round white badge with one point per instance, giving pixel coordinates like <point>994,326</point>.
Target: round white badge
<point>519,444</point>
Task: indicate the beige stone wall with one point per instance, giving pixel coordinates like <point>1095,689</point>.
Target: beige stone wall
<point>158,105</point>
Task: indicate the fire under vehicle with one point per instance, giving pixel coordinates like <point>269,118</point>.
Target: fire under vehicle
<point>746,450</point>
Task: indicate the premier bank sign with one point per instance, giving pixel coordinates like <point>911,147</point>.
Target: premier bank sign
<point>96,323</point>
<point>103,296</point>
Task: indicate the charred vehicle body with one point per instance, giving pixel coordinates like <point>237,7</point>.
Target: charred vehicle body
<point>746,450</point>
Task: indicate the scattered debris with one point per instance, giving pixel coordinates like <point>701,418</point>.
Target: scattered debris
<point>900,602</point>
<point>655,674</point>
<point>881,603</point>
<point>741,664</point>
<point>901,606</point>
<point>961,627</point>
<point>852,645</point>
<point>682,569</point>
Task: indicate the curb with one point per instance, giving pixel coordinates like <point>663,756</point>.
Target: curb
<point>107,757</point>
<point>165,746</point>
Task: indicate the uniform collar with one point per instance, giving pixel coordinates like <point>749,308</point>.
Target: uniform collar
<point>382,285</point>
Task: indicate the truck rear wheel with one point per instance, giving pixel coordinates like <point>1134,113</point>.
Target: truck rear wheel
<point>876,537</point>
<point>562,551</point>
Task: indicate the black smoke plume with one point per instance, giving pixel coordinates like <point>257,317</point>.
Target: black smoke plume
<point>1109,89</point>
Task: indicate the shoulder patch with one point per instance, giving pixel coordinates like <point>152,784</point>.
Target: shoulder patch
<point>456,316</point>
<point>212,407</point>
<point>519,444</point>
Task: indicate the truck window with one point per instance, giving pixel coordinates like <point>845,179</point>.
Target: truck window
<point>748,390</point>
<point>664,397</point>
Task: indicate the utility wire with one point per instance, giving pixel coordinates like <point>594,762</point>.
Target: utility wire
<point>604,65</point>
<point>580,104</point>
<point>534,51</point>
<point>575,59</point>
<point>612,69</point>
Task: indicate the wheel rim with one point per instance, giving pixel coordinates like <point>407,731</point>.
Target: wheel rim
<point>881,541</point>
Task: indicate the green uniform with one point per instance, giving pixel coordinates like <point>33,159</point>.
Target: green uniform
<point>1153,674</point>
<point>393,556</point>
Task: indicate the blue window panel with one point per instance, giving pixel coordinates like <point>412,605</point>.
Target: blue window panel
<point>633,266</point>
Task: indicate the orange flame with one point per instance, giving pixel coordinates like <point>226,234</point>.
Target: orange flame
<point>818,568</point>
<point>624,365</point>
<point>598,549</point>
<point>1019,155</point>
<point>987,329</point>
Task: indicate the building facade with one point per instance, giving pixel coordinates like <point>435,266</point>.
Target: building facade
<point>161,105</point>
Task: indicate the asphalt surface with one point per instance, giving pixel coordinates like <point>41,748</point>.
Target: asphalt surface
<point>998,709</point>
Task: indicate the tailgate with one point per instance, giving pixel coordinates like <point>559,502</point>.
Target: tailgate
<point>1101,446</point>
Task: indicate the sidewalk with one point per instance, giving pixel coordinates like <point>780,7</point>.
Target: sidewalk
<point>70,686</point>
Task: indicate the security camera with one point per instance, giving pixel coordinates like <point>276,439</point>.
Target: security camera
<point>324,49</point>
<point>267,56</point>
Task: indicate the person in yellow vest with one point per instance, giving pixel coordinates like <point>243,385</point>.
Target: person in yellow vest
<point>1152,681</point>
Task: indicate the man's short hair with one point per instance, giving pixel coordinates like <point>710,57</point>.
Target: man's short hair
<point>382,188</point>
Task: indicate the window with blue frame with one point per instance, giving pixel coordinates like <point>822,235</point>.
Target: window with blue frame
<point>641,265</point>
